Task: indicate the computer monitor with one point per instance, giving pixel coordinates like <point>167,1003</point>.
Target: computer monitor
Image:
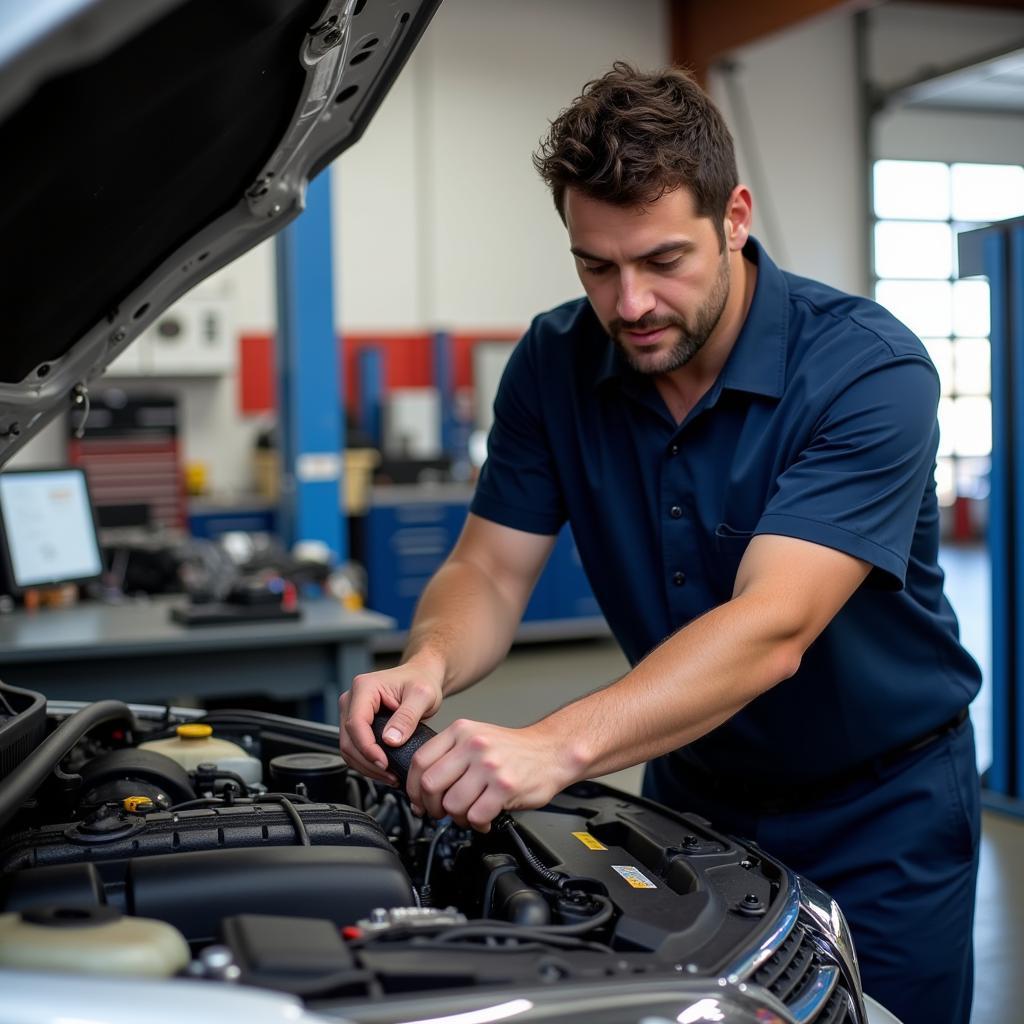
<point>48,528</point>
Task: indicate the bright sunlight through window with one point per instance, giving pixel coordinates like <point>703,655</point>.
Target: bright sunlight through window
<point>919,208</point>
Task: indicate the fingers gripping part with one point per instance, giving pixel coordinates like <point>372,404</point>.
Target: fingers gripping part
<point>400,758</point>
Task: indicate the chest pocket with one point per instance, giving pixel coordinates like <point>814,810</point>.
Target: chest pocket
<point>730,545</point>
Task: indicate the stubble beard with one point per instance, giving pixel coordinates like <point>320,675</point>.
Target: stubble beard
<point>692,337</point>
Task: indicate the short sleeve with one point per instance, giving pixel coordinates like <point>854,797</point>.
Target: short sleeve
<point>858,485</point>
<point>519,485</point>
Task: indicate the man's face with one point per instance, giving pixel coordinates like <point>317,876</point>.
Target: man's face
<point>656,276</point>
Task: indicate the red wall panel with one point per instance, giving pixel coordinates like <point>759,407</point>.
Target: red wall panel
<point>408,363</point>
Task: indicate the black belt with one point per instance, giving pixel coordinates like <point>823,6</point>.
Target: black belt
<point>759,799</point>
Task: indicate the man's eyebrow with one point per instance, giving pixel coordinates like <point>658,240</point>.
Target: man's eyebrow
<point>584,255</point>
<point>676,245</point>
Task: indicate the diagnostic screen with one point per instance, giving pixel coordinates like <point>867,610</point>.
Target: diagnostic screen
<point>49,528</point>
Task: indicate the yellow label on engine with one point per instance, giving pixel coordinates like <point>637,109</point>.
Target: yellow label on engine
<point>589,841</point>
<point>634,876</point>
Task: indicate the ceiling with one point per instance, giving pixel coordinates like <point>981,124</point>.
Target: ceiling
<point>995,84</point>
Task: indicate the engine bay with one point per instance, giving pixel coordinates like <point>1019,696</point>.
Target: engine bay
<point>253,855</point>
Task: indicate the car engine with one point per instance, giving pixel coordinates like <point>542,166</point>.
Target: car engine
<point>237,847</point>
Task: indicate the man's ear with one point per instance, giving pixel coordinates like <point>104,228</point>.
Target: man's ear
<point>739,214</point>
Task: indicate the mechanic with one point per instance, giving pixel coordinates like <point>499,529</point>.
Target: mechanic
<point>746,459</point>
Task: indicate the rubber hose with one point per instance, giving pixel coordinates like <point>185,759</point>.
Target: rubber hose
<point>34,770</point>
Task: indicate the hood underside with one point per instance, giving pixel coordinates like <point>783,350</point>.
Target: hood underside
<point>147,145</point>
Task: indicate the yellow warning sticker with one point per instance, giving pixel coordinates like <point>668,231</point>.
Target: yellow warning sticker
<point>634,876</point>
<point>589,841</point>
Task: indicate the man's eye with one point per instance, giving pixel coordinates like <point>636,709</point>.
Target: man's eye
<point>595,268</point>
<point>666,264</point>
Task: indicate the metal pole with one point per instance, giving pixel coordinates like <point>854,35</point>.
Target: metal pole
<point>311,425</point>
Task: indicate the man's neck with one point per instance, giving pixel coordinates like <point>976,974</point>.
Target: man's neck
<point>683,388</point>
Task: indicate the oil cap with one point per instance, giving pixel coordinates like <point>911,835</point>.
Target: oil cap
<point>138,804</point>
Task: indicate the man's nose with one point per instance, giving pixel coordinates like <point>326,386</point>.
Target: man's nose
<point>635,300</point>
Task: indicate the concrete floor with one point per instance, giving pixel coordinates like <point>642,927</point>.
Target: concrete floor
<point>537,678</point>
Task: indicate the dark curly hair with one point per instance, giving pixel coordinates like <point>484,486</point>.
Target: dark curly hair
<point>630,136</point>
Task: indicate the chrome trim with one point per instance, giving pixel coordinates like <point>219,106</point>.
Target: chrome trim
<point>831,934</point>
<point>829,916</point>
<point>827,929</point>
<point>810,1003</point>
<point>742,969</point>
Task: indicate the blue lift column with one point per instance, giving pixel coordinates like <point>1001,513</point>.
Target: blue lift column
<point>998,253</point>
<point>310,425</point>
<point>370,364</point>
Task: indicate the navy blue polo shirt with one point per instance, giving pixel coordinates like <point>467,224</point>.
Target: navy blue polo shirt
<point>821,426</point>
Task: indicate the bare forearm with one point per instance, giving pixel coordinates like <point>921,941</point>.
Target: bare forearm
<point>786,592</point>
<point>465,622</point>
<point>692,683</point>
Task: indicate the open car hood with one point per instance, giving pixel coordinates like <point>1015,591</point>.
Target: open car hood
<point>146,145</point>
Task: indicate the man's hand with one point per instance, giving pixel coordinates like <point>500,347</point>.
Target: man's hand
<point>412,691</point>
<point>464,624</point>
<point>473,771</point>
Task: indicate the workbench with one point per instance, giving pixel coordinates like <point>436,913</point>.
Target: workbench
<point>133,651</point>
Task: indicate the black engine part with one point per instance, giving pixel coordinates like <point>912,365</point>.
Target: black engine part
<point>323,775</point>
<point>342,884</point>
<point>61,916</point>
<point>240,825</point>
<point>22,725</point>
<point>289,954</point>
<point>128,772</point>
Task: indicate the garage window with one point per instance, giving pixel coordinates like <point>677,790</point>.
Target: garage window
<point>919,206</point>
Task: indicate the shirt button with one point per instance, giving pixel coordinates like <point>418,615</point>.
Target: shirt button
<point>675,512</point>
<point>679,578</point>
<point>674,450</point>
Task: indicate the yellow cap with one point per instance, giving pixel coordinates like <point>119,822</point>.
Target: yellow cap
<point>194,731</point>
<point>137,803</point>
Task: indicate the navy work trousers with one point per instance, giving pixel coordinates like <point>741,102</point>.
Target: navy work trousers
<point>898,850</point>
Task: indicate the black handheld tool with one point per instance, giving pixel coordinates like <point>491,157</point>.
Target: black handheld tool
<point>400,758</point>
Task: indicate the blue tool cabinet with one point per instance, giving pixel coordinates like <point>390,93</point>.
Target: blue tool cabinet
<point>411,530</point>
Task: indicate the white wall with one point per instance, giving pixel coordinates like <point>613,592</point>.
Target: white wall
<point>441,217</point>
<point>377,192</point>
<point>800,89</point>
<point>941,135</point>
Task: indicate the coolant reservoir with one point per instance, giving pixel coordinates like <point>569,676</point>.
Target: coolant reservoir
<point>195,744</point>
<point>91,940</point>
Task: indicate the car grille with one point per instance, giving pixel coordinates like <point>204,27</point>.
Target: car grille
<point>810,987</point>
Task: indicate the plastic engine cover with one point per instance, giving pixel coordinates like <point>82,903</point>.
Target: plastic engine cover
<point>193,868</point>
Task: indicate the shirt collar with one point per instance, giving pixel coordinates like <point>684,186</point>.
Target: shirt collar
<point>757,363</point>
